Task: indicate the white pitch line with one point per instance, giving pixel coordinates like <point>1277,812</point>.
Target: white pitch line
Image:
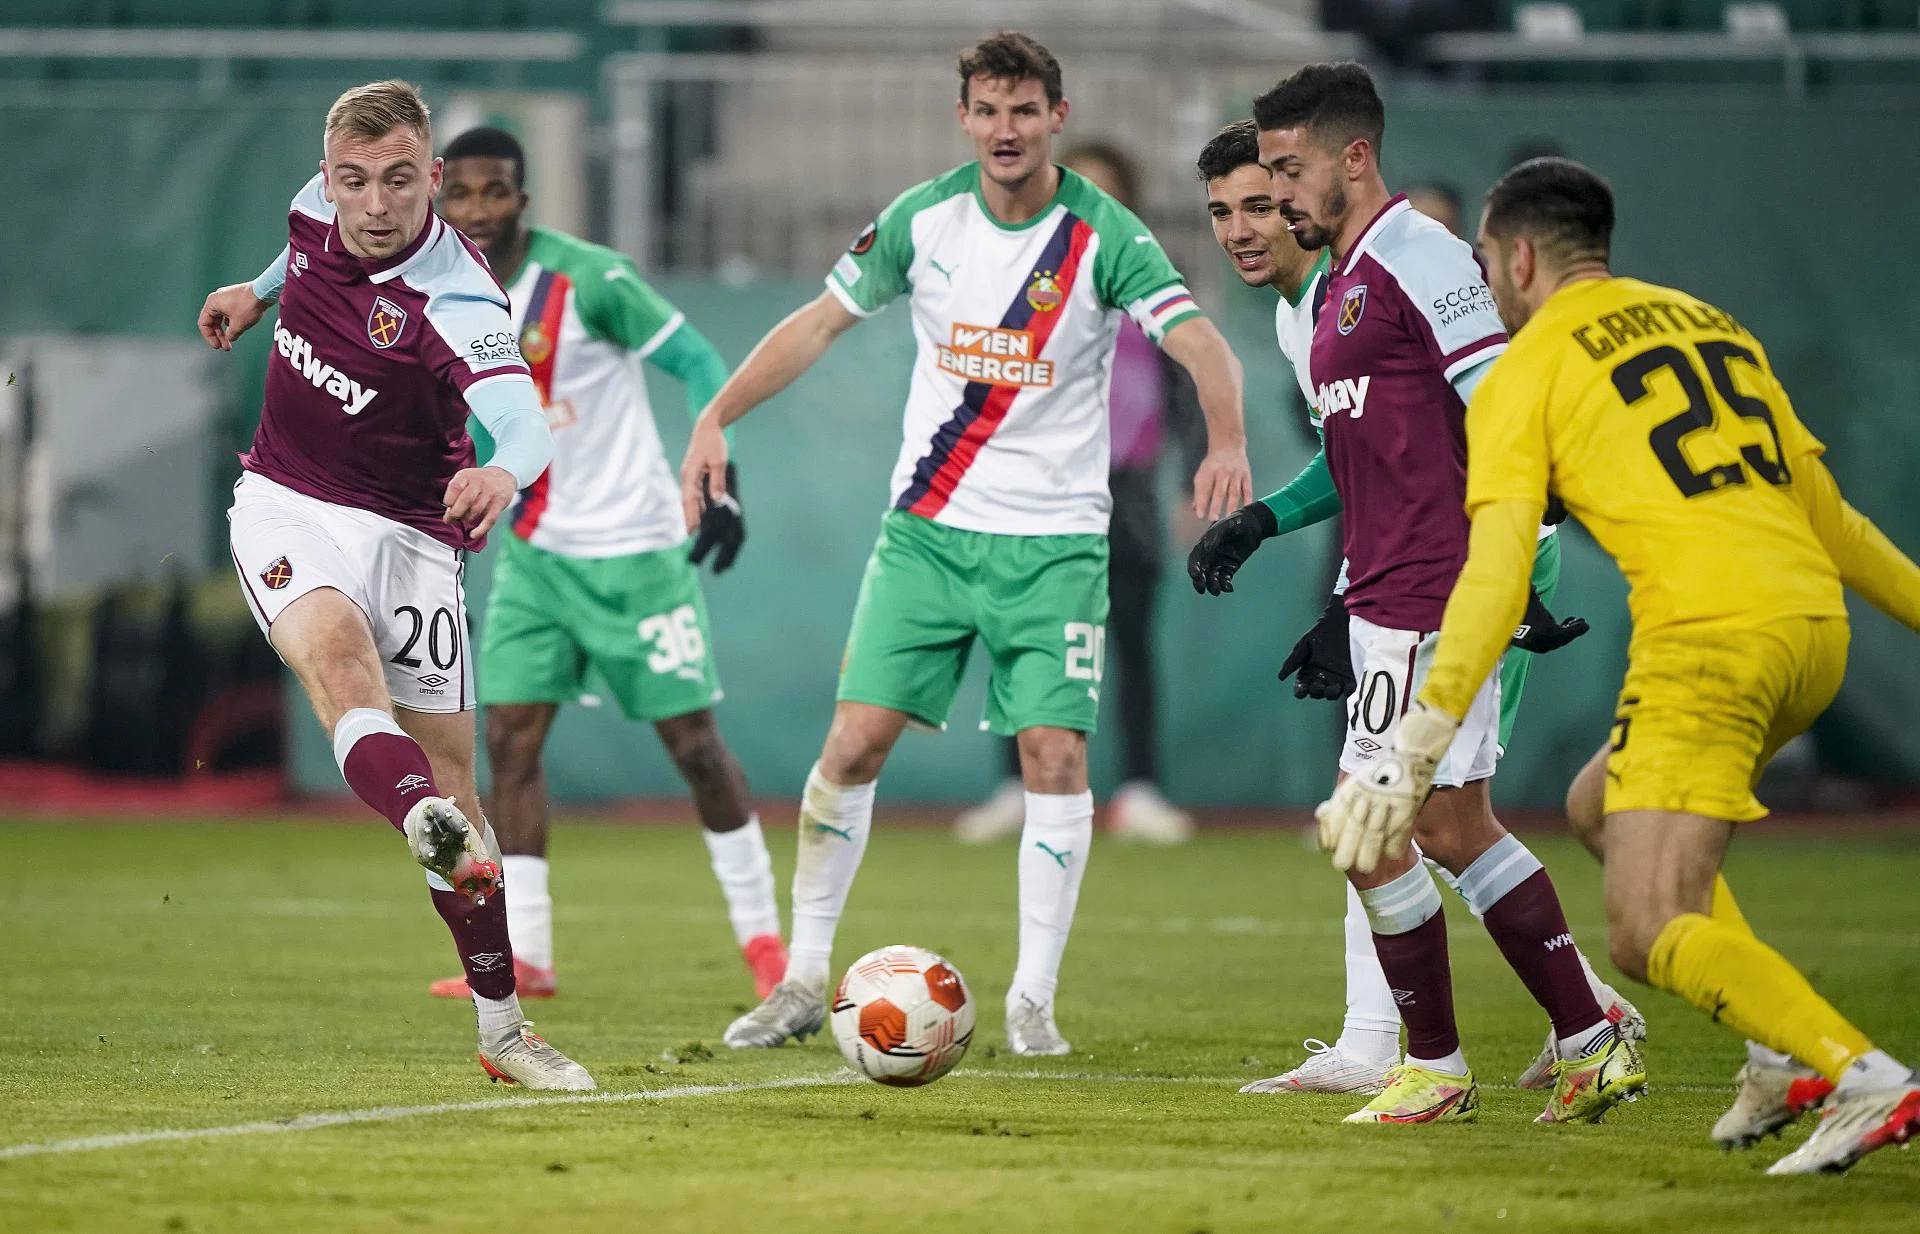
<point>392,1113</point>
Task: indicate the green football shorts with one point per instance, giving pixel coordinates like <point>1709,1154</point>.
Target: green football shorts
<point>1037,603</point>
<point>639,621</point>
<point>1515,664</point>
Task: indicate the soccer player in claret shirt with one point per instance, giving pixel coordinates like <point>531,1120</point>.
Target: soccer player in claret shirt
<point>594,570</point>
<point>1017,271</point>
<point>1254,234</point>
<point>360,500</point>
<point>1408,330</point>
<point>1658,420</point>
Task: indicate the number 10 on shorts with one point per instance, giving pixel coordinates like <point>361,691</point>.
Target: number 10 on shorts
<point>1086,651</point>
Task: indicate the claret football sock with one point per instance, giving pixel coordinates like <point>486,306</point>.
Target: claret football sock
<point>1053,859</point>
<point>1410,937</point>
<point>745,872</point>
<point>834,822</point>
<point>530,911</point>
<point>1741,982</point>
<point>480,934</point>
<point>1372,1026</point>
<point>1514,898</point>
<point>382,765</point>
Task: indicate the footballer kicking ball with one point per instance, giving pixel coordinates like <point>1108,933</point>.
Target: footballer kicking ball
<point>902,1016</point>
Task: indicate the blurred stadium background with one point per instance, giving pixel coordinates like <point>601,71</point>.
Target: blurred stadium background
<point>1762,151</point>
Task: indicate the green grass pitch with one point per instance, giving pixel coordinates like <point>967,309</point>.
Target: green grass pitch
<point>182,976</point>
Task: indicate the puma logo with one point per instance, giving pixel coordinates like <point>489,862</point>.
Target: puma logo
<point>845,833</point>
<point>1058,855</point>
<point>942,269</point>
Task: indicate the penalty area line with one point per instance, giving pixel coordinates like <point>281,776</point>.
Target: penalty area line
<point>393,1113</point>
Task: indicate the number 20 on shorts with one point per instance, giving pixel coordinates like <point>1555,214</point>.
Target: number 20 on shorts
<point>1086,650</point>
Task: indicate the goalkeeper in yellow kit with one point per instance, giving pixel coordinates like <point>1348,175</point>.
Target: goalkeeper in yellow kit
<point>1659,422</point>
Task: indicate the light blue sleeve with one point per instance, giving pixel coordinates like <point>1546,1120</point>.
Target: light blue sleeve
<point>1467,380</point>
<point>270,280</point>
<point>509,408</point>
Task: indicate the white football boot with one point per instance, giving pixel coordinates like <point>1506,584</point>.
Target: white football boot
<point>1771,1097</point>
<point>447,844</point>
<point>1855,1123</point>
<point>997,818</point>
<point>1031,1032</point>
<point>1627,1021</point>
<point>793,1010</point>
<point>523,1057</point>
<point>1329,1069</point>
<point>1139,812</point>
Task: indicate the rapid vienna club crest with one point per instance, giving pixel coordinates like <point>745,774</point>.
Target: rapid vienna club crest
<point>1352,305</point>
<point>535,345</point>
<point>1044,294</point>
<point>385,322</point>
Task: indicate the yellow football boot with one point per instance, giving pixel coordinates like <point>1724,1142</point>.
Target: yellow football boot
<point>1417,1094</point>
<point>1585,1088</point>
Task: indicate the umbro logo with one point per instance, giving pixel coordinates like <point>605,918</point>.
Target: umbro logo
<point>1367,745</point>
<point>488,961</point>
<point>433,681</point>
<point>411,784</point>
<point>1403,997</point>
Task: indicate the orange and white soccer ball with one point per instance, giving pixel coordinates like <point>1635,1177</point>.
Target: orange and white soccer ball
<point>902,1016</point>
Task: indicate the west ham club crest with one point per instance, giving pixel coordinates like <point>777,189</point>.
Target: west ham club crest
<point>385,323</point>
<point>277,575</point>
<point>1352,305</point>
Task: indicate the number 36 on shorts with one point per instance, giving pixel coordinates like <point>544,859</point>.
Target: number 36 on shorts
<point>676,639</point>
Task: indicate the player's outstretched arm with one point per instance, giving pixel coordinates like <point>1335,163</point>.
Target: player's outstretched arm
<point>1869,563</point>
<point>231,311</point>
<point>788,350</point>
<point>1224,481</point>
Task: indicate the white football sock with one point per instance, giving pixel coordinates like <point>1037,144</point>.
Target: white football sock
<point>745,872</point>
<point>500,1018</point>
<point>1603,993</point>
<point>1453,1064</point>
<point>1762,1056</point>
<point>529,909</point>
<point>1875,1069</point>
<point>1053,858</point>
<point>1372,1028</point>
<point>834,822</point>
<point>1585,1041</point>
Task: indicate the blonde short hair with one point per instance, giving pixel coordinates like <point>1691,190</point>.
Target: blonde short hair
<point>377,108</point>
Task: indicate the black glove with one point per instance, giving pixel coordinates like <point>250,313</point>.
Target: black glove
<point>1226,546</point>
<point>723,525</point>
<point>1323,657</point>
<point>1540,633</point>
<point>1556,512</point>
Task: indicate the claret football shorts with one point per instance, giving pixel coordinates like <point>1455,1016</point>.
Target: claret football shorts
<point>286,544</point>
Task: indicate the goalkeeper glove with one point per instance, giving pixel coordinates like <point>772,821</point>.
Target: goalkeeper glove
<point>723,525</point>
<point>1539,633</point>
<point>1226,546</point>
<point>1323,658</point>
<point>1371,814</point>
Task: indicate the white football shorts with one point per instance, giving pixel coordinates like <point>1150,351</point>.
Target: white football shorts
<point>1390,667</point>
<point>286,544</point>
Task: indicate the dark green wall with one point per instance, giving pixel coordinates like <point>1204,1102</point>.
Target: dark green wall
<point>1798,219</point>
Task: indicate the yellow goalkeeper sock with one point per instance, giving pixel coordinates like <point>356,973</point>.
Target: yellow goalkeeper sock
<point>1743,983</point>
<point>1725,909</point>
